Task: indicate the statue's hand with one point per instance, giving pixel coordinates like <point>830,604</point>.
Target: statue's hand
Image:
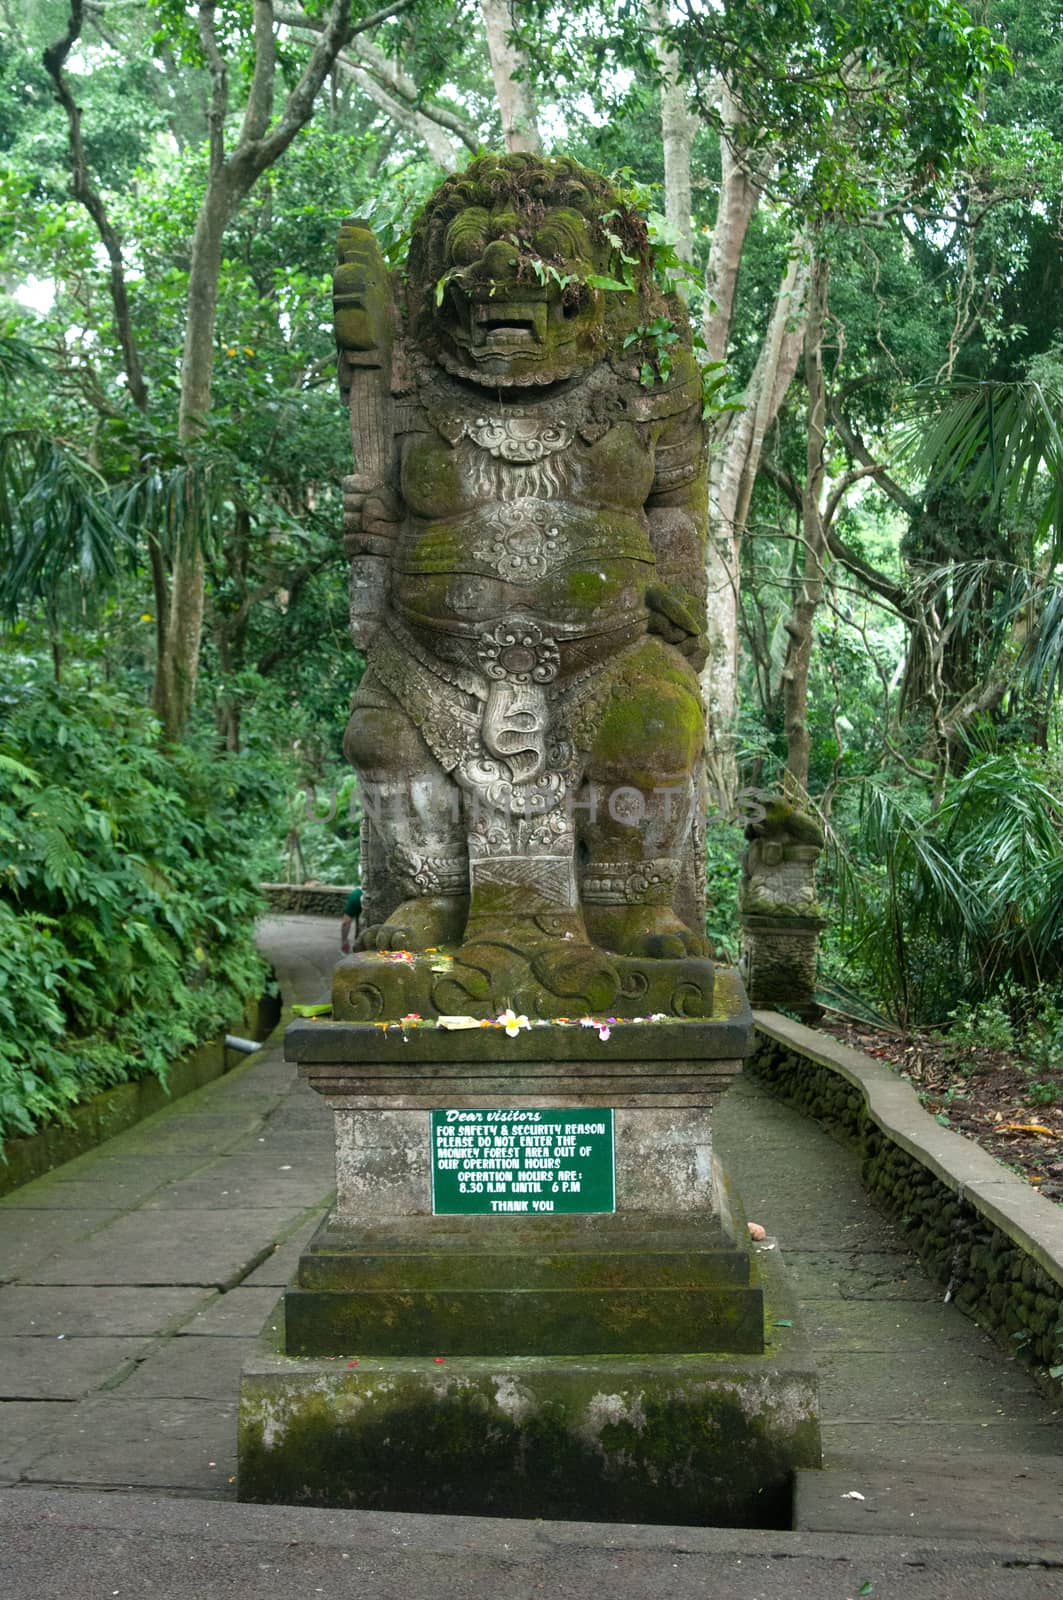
<point>363,306</point>
<point>371,514</point>
<point>671,621</point>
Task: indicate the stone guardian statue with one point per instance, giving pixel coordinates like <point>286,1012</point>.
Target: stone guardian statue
<point>526,529</point>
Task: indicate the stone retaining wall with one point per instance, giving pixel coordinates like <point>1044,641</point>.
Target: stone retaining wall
<point>992,1240</point>
<point>307,899</point>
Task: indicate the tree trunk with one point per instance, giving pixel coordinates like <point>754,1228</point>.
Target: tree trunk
<point>262,141</point>
<point>441,147</point>
<point>734,460</point>
<point>736,446</point>
<point>678,127</point>
<point>740,193</point>
<point>814,539</point>
<point>175,680</point>
<point>520,126</point>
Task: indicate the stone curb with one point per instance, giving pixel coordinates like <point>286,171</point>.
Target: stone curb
<point>993,1241</point>
<point>115,1110</point>
<point>1005,1200</point>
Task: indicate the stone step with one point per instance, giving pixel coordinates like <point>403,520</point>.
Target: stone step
<point>590,1233</point>
<point>524,1322</point>
<point>1014,1497</point>
<point>584,1269</point>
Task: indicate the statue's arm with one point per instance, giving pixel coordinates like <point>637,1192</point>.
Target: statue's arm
<point>677,512</point>
<point>366,322</point>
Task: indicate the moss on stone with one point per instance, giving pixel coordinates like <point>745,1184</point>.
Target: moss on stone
<point>522,1322</point>
<point>678,1444</point>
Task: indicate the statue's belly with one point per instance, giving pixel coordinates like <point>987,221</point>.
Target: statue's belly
<point>572,568</point>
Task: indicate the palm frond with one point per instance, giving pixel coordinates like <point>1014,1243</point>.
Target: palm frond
<point>1043,657</point>
<point>179,503</point>
<point>941,907</point>
<point>55,518</point>
<point>1001,443</point>
<point>1017,612</point>
<point>18,359</point>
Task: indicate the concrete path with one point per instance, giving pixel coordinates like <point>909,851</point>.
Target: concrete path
<point>133,1280</point>
<point>55,1545</point>
<point>902,1375</point>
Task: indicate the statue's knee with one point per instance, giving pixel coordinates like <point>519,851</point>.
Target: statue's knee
<point>649,736</point>
<point>380,739</point>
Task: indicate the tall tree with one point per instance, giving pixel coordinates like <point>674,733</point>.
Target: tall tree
<point>510,70</point>
<point>823,112</point>
<point>678,127</point>
<point>234,166</point>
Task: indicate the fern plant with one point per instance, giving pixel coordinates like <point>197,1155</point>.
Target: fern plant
<point>128,892</point>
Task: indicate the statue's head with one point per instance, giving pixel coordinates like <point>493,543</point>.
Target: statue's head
<point>501,269</point>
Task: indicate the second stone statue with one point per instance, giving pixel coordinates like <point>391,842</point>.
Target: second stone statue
<point>526,531</point>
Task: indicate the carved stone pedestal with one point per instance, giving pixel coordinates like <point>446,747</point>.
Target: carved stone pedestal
<point>631,1360</point>
<point>781,955</point>
<point>779,911</point>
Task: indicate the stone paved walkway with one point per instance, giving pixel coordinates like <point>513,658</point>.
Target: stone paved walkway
<point>133,1280</point>
<point>903,1376</point>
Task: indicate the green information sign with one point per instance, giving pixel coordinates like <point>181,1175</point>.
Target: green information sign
<point>522,1163</point>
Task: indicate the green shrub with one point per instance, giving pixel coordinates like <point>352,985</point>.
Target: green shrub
<point>724,844</point>
<point>986,1026</point>
<point>128,892</point>
<point>1043,1045</point>
<point>322,841</point>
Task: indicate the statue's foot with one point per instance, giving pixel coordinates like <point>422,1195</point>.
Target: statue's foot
<point>653,931</point>
<point>421,924</point>
<point>572,972</point>
<point>543,965</point>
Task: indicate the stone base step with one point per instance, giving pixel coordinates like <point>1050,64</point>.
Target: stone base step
<point>673,1437</point>
<point>524,1322</point>
<point>590,1285</point>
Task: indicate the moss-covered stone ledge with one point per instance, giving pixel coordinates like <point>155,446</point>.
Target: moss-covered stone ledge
<point>987,1236</point>
<point>307,899</point>
<point>112,1111</point>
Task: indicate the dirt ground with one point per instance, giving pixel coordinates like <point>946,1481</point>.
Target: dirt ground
<point>1013,1110</point>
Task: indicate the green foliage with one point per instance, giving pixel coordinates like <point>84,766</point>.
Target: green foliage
<point>855,102</point>
<point>323,841</point>
<point>1003,444</point>
<point>1042,1048</point>
<point>657,337</point>
<point>724,844</point>
<point>56,520</point>
<point>127,897</point>
<point>986,1025</point>
<point>952,902</point>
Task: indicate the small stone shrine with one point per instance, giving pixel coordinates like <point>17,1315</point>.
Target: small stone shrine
<point>535,1295</point>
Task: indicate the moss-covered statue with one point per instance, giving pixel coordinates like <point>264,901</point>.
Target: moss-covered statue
<point>526,531</point>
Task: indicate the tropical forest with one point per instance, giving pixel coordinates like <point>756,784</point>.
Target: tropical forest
<point>859,209</point>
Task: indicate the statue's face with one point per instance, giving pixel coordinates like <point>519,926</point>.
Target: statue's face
<point>508,315</point>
